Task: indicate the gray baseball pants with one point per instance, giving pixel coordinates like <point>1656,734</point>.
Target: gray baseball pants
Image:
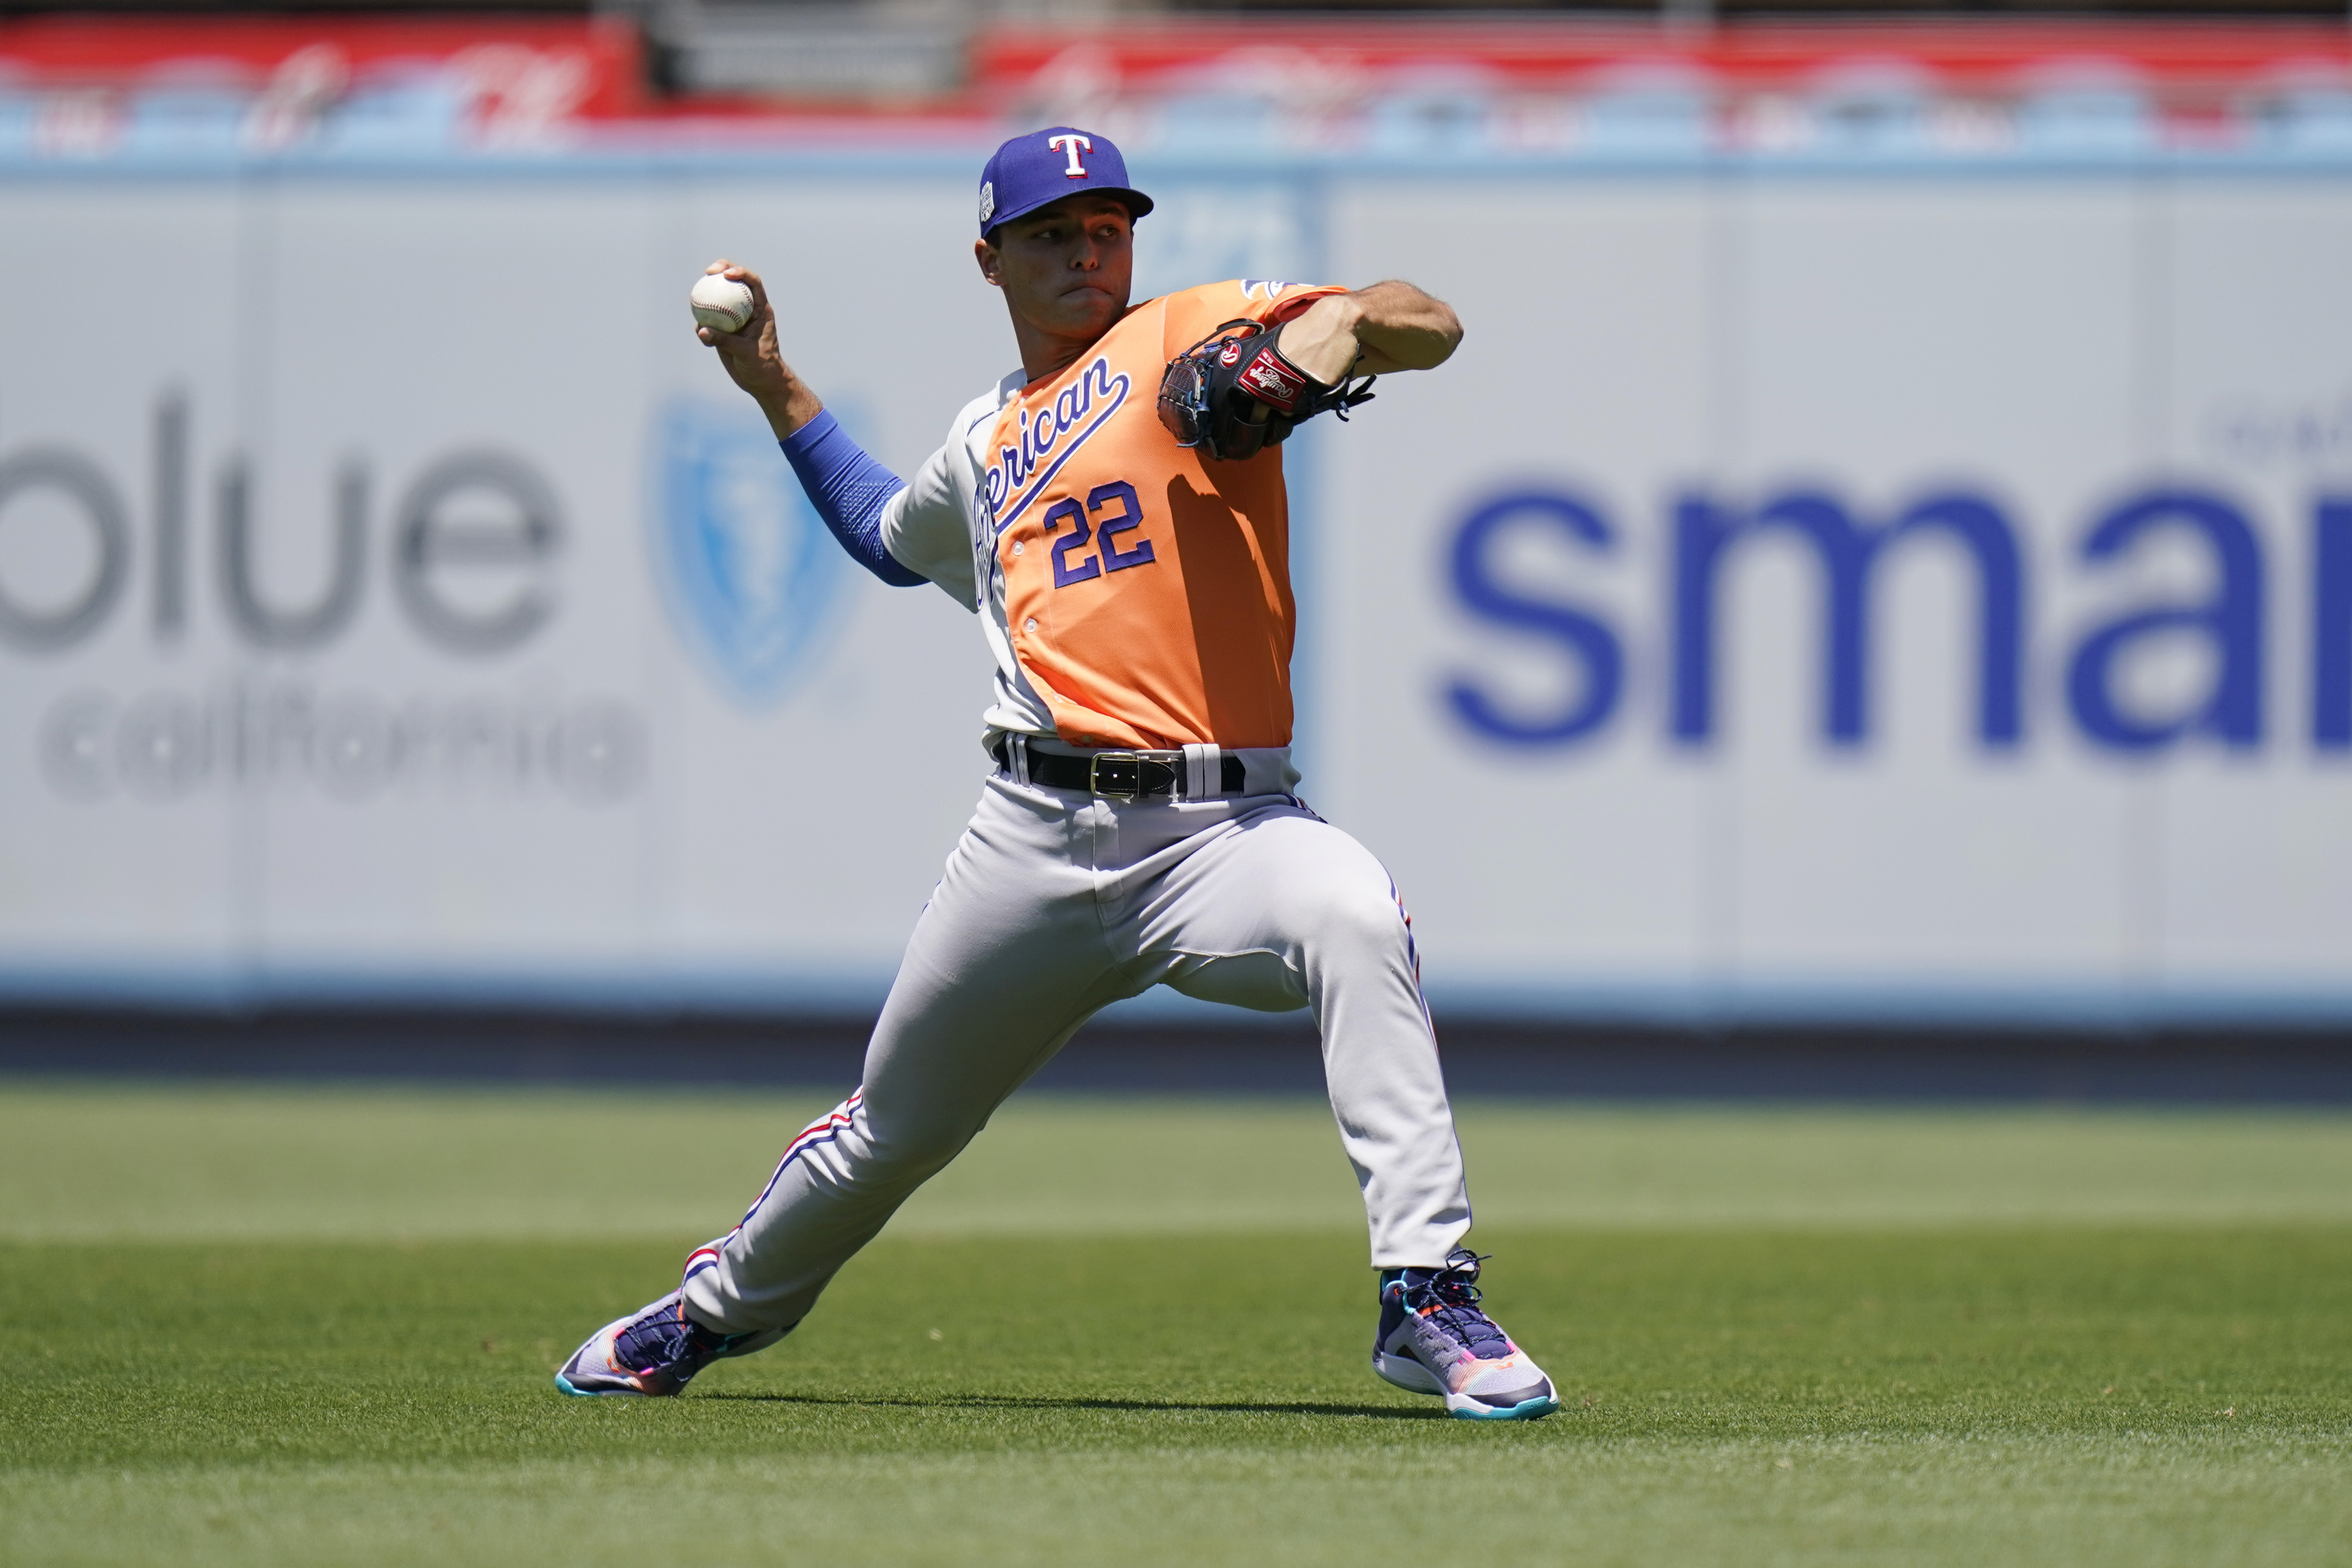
<point>1055,904</point>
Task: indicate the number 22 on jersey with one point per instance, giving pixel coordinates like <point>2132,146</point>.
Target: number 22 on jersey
<point>1110,511</point>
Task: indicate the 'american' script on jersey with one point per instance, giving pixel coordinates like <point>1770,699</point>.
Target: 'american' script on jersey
<point>1009,477</point>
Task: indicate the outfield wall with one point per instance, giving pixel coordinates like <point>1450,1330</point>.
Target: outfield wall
<point>1858,592</point>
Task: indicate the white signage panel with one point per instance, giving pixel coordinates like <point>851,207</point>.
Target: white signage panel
<point>1810,595</point>
<point>500,650</point>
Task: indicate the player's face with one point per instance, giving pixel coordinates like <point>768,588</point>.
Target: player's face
<point>1065,268</point>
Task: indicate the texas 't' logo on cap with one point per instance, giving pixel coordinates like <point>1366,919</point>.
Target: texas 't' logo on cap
<point>1073,143</point>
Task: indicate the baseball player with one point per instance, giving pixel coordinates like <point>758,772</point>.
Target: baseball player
<point>1114,511</point>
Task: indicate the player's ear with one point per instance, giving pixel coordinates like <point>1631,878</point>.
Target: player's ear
<point>986,255</point>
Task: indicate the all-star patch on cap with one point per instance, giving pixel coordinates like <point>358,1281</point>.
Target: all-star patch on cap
<point>1044,166</point>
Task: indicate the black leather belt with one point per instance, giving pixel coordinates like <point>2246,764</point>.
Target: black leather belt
<point>1120,775</point>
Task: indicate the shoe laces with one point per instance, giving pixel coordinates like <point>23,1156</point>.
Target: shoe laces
<point>1455,1288</point>
<point>661,1339</point>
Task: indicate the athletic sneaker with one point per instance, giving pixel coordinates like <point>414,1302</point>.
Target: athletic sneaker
<point>1434,1339</point>
<point>653,1352</point>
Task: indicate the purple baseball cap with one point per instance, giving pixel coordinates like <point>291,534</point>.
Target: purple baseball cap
<point>1044,166</point>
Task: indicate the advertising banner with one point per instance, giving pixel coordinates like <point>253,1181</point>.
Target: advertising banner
<point>1809,595</point>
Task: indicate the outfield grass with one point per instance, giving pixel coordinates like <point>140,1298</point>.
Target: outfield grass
<point>257,1328</point>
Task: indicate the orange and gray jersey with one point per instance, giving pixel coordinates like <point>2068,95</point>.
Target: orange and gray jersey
<point>1136,593</point>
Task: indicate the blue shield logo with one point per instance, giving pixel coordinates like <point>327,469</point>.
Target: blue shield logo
<point>754,581</point>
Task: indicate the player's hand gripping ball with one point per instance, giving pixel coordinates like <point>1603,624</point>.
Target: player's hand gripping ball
<point>720,303</point>
<point>1234,394</point>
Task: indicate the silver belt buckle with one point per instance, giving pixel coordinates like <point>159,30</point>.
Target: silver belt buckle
<point>1120,775</point>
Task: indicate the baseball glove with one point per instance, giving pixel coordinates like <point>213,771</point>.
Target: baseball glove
<point>1233,394</point>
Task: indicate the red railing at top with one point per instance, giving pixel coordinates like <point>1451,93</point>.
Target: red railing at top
<point>593,65</point>
<point>550,69</point>
<point>1961,56</point>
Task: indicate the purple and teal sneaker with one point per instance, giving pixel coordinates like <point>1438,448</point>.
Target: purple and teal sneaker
<point>1434,1339</point>
<point>652,1353</point>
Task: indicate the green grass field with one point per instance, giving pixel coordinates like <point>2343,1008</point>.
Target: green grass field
<point>275,1326</point>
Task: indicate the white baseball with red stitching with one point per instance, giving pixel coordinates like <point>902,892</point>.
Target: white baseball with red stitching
<point>720,303</point>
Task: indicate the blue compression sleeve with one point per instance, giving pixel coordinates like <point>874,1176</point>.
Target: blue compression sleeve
<point>847,487</point>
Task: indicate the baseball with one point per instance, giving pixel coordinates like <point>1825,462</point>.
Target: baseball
<point>720,303</point>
